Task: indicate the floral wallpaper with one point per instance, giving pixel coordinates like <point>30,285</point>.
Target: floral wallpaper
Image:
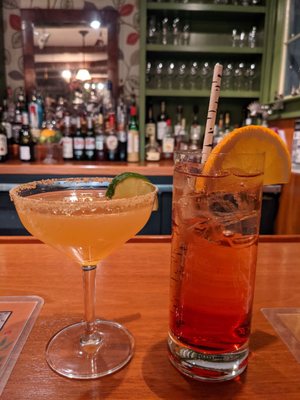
<point>128,36</point>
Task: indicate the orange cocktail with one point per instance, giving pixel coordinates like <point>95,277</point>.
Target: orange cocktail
<point>87,218</point>
<point>87,234</point>
<point>216,219</point>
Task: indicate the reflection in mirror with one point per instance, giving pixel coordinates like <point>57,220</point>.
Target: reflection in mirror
<point>61,54</point>
<point>65,50</point>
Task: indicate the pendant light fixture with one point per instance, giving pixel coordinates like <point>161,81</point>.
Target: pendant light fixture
<point>83,73</point>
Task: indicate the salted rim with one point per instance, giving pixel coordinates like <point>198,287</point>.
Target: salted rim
<point>128,202</point>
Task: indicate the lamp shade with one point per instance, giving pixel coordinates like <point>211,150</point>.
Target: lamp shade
<point>83,75</point>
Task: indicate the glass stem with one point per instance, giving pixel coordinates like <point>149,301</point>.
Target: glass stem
<point>91,336</point>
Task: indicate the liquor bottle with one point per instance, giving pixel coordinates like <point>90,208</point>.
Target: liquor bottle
<point>182,139</point>
<point>17,124</point>
<point>168,143</point>
<point>40,109</point>
<point>67,140</point>
<point>121,132</point>
<point>247,118</point>
<point>78,141</point>
<point>33,112</point>
<point>195,132</point>
<point>227,126</point>
<point>150,128</point>
<point>219,131</point>
<point>152,149</point>
<point>112,140</point>
<point>100,138</point>
<point>3,141</point>
<point>10,105</point>
<point>161,123</point>
<point>90,141</point>
<point>133,137</point>
<point>26,142</point>
<point>178,126</point>
<point>6,121</point>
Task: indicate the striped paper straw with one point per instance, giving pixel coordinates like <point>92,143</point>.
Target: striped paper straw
<point>212,112</point>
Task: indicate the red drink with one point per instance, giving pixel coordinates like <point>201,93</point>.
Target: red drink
<point>214,250</point>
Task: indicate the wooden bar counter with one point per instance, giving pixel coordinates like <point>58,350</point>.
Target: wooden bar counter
<point>162,168</point>
<point>132,288</point>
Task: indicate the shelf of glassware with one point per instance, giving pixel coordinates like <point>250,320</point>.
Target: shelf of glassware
<point>245,94</point>
<point>226,8</point>
<point>161,48</point>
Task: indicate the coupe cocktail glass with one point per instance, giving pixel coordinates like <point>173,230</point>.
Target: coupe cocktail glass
<point>74,216</point>
<point>216,217</point>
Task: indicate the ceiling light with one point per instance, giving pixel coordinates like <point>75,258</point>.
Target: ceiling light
<point>83,74</point>
<point>66,74</point>
<point>95,24</point>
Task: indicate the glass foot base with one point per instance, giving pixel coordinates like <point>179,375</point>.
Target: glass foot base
<point>66,356</point>
<point>207,366</point>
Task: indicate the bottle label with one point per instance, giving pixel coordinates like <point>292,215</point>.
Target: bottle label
<point>90,143</point>
<point>8,129</point>
<point>3,145</point>
<point>152,156</point>
<point>133,146</point>
<point>78,143</point>
<point>161,129</point>
<point>177,129</point>
<point>122,136</point>
<point>150,130</point>
<point>25,153</point>
<point>99,143</point>
<point>112,142</point>
<point>133,142</point>
<point>67,147</point>
<point>33,115</point>
<point>168,145</point>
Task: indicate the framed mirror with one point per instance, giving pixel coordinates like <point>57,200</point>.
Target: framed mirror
<point>57,44</point>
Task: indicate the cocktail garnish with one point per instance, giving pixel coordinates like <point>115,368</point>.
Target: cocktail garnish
<point>252,140</point>
<point>130,184</point>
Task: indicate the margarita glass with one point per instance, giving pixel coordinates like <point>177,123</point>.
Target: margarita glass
<point>74,216</point>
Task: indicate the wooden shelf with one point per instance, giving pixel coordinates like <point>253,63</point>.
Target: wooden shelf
<point>160,48</point>
<point>215,8</point>
<point>200,93</point>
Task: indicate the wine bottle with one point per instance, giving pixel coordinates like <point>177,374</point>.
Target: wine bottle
<point>90,141</point>
<point>162,123</point>
<point>67,140</point>
<point>133,137</point>
<point>26,142</point>
<point>78,141</point>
